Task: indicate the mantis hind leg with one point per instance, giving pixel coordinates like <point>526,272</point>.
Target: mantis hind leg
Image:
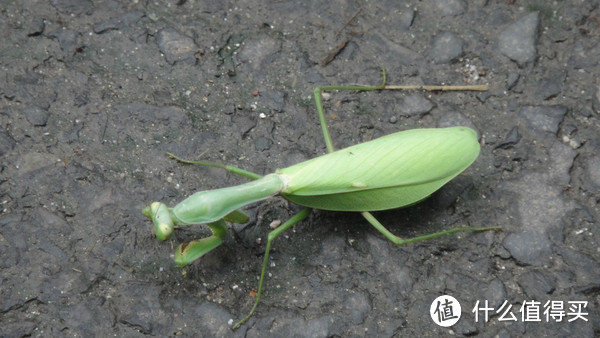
<point>400,241</point>
<point>319,103</point>
<point>272,235</point>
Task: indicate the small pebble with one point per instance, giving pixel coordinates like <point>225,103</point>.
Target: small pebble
<point>446,47</point>
<point>518,40</point>
<point>275,224</point>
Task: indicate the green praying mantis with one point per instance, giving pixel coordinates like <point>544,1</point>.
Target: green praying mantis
<point>392,171</point>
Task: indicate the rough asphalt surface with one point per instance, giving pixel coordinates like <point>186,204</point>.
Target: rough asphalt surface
<point>93,93</point>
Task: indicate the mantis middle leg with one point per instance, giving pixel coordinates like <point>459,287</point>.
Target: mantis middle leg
<point>272,235</point>
<point>230,168</point>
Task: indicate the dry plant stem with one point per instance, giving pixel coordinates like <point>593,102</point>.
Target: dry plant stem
<point>479,88</point>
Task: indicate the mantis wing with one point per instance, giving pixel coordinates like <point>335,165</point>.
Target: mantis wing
<point>389,172</point>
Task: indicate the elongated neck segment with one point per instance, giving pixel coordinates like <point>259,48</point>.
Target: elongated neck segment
<point>211,205</point>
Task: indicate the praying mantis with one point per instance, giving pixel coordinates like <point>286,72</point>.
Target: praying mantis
<point>392,171</point>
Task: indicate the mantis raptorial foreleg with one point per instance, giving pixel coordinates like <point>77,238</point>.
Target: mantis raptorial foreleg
<point>195,249</point>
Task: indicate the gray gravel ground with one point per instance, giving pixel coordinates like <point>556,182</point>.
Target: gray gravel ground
<point>93,93</point>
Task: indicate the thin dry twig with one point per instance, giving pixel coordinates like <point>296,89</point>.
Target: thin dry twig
<point>334,52</point>
<point>479,88</point>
